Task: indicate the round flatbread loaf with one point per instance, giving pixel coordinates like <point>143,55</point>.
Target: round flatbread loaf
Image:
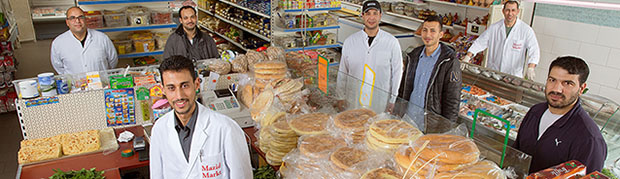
<point>247,96</point>
<point>270,77</point>
<point>262,101</point>
<point>353,119</point>
<point>270,65</point>
<point>270,71</point>
<point>381,173</point>
<point>309,124</point>
<point>394,131</point>
<point>346,157</point>
<point>382,145</point>
<point>282,127</point>
<point>451,149</point>
<point>317,145</point>
<point>484,169</point>
<point>403,161</point>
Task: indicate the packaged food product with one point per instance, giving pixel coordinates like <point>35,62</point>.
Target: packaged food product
<point>115,18</point>
<point>161,17</point>
<point>595,175</point>
<point>143,41</point>
<point>94,19</point>
<point>123,46</point>
<point>217,66</point>
<point>569,170</point>
<point>239,64</point>
<point>138,15</point>
<point>160,40</point>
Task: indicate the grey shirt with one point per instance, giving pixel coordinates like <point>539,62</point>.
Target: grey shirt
<point>186,132</point>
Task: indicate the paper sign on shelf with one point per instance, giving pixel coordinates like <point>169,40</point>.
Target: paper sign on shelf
<point>367,86</point>
<point>323,73</point>
<point>211,82</point>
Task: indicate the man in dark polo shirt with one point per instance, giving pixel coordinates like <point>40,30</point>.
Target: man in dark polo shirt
<point>560,130</point>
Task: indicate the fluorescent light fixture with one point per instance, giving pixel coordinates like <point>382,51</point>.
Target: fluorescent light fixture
<point>586,4</point>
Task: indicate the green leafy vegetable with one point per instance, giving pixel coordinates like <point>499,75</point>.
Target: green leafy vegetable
<point>609,173</point>
<point>265,172</point>
<point>80,174</point>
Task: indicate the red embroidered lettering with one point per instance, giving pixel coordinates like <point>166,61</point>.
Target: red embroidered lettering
<point>204,175</point>
<point>204,168</point>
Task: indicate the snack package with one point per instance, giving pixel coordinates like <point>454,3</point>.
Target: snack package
<point>239,64</point>
<point>217,66</point>
<point>595,175</point>
<point>569,170</point>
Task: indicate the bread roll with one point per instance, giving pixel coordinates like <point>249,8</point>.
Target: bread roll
<point>450,149</point>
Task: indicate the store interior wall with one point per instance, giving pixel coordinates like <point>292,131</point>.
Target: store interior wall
<point>589,33</point>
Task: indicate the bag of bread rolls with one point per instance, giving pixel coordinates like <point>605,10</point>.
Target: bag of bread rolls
<point>239,64</point>
<point>253,57</point>
<point>217,66</point>
<point>275,53</point>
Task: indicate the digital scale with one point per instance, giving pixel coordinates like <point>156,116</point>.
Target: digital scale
<point>225,102</point>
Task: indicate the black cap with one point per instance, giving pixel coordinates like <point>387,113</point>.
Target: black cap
<point>371,4</point>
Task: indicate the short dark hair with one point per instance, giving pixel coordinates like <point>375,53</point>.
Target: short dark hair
<point>434,19</point>
<point>511,2</point>
<point>186,7</point>
<point>574,66</point>
<point>177,63</point>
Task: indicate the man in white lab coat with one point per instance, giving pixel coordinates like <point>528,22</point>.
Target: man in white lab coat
<point>192,141</point>
<point>507,41</point>
<point>374,57</point>
<point>80,49</point>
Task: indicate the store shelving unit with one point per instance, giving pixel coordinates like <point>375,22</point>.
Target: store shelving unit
<point>141,54</point>
<point>88,5</point>
<point>245,8</point>
<point>243,28</point>
<point>313,9</point>
<point>311,29</point>
<point>118,2</point>
<point>48,18</point>
<point>137,28</point>
<point>457,5</point>
<point>314,47</point>
<point>225,38</point>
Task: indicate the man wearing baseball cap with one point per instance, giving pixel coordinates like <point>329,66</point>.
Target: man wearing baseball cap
<point>373,56</point>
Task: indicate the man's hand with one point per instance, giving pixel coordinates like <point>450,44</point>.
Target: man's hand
<point>530,74</point>
<point>467,58</point>
<point>389,108</point>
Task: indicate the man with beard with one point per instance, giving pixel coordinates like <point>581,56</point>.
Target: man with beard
<point>560,130</point>
<point>374,57</point>
<point>80,49</point>
<point>432,78</point>
<point>193,141</point>
<point>188,41</point>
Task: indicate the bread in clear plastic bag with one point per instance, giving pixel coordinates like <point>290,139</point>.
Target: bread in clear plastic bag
<point>308,124</point>
<point>353,124</point>
<point>254,57</point>
<point>283,140</point>
<point>387,132</point>
<point>275,53</point>
<point>261,102</point>
<point>450,149</point>
<point>381,173</point>
<point>239,64</point>
<point>319,146</point>
<point>217,66</point>
<point>483,169</point>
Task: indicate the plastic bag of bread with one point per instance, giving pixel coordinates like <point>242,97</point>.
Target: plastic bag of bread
<point>308,124</point>
<point>386,133</point>
<point>239,64</point>
<point>253,57</point>
<point>352,124</point>
<point>283,140</point>
<point>275,53</point>
<point>261,102</point>
<point>246,90</point>
<point>483,169</point>
<point>270,70</point>
<point>217,66</point>
<point>354,160</point>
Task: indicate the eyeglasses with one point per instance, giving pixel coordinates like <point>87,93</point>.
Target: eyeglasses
<point>71,18</point>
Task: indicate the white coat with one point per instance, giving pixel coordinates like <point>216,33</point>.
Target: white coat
<point>507,54</point>
<point>68,56</point>
<point>218,149</point>
<point>383,56</point>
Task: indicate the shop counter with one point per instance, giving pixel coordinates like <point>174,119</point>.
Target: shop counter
<point>112,163</point>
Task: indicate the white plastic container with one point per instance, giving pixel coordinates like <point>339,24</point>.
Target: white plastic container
<point>28,89</point>
<point>47,84</point>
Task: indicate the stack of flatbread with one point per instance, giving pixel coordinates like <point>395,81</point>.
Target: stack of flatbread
<point>306,160</point>
<point>266,120</point>
<point>267,71</point>
<point>388,135</point>
<point>53,147</point>
<point>287,89</point>
<point>345,160</point>
<point>353,123</point>
<point>283,140</point>
<point>381,173</point>
<point>308,124</point>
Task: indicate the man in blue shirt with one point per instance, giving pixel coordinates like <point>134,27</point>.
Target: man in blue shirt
<point>560,130</point>
<point>432,77</point>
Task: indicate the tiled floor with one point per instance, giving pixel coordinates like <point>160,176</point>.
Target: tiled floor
<point>33,58</point>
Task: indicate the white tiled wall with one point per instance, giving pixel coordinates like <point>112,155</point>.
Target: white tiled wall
<point>598,45</point>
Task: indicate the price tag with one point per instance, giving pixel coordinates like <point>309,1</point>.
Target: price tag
<point>323,74</point>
